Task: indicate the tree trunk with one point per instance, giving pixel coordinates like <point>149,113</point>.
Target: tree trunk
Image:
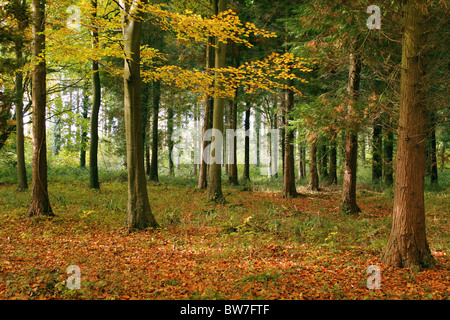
<point>22,183</point>
<point>215,169</point>
<point>313,175</point>
<point>169,138</point>
<point>388,153</point>
<point>351,145</point>
<point>332,177</point>
<point>207,123</point>
<point>83,142</point>
<point>145,122</point>
<point>433,156</point>
<point>408,246</point>
<point>301,161</point>
<point>377,150</point>
<point>139,215</point>
<point>93,151</point>
<point>324,158</point>
<point>289,189</point>
<point>246,174</point>
<point>40,203</point>
<point>233,171</point>
<point>156,100</point>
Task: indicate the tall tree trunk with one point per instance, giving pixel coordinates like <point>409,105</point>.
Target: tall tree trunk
<point>433,156</point>
<point>301,161</point>
<point>139,214</point>
<point>313,175</point>
<point>145,122</point>
<point>40,203</point>
<point>215,170</point>
<point>408,246</point>
<point>207,123</point>
<point>332,177</point>
<point>156,100</point>
<point>324,158</point>
<point>233,170</point>
<point>169,138</point>
<point>96,99</point>
<point>258,137</point>
<point>22,183</point>
<point>84,114</point>
<point>351,145</point>
<point>246,173</point>
<point>377,150</point>
<point>289,189</point>
<point>388,153</point>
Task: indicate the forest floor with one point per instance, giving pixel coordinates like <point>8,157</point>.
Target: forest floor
<point>256,246</point>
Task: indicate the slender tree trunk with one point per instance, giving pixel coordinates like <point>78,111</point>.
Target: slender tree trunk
<point>139,214</point>
<point>313,175</point>
<point>96,86</point>
<point>408,246</point>
<point>215,171</point>
<point>324,158</point>
<point>289,189</point>
<point>377,150</point>
<point>388,153</point>
<point>156,100</point>
<point>233,170</point>
<point>332,177</point>
<point>207,123</point>
<point>351,146</point>
<point>258,137</point>
<point>85,106</point>
<point>145,122</point>
<point>301,161</point>
<point>433,156</point>
<point>246,173</point>
<point>22,183</point>
<point>169,138</point>
<point>40,203</point>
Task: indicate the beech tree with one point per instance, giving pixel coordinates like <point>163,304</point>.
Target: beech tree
<point>40,203</point>
<point>215,176</point>
<point>139,214</point>
<point>96,98</point>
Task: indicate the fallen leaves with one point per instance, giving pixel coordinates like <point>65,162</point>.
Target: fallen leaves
<point>193,260</point>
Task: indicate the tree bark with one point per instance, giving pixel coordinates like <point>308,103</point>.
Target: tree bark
<point>215,169</point>
<point>351,146</point>
<point>22,183</point>
<point>246,173</point>
<point>233,170</point>
<point>139,214</point>
<point>169,138</point>
<point>388,153</point>
<point>433,156</point>
<point>408,246</point>
<point>156,100</point>
<point>377,150</point>
<point>289,189</point>
<point>83,142</point>
<point>313,175</point>
<point>40,203</point>
<point>324,158</point>
<point>332,177</point>
<point>207,123</point>
<point>96,88</point>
